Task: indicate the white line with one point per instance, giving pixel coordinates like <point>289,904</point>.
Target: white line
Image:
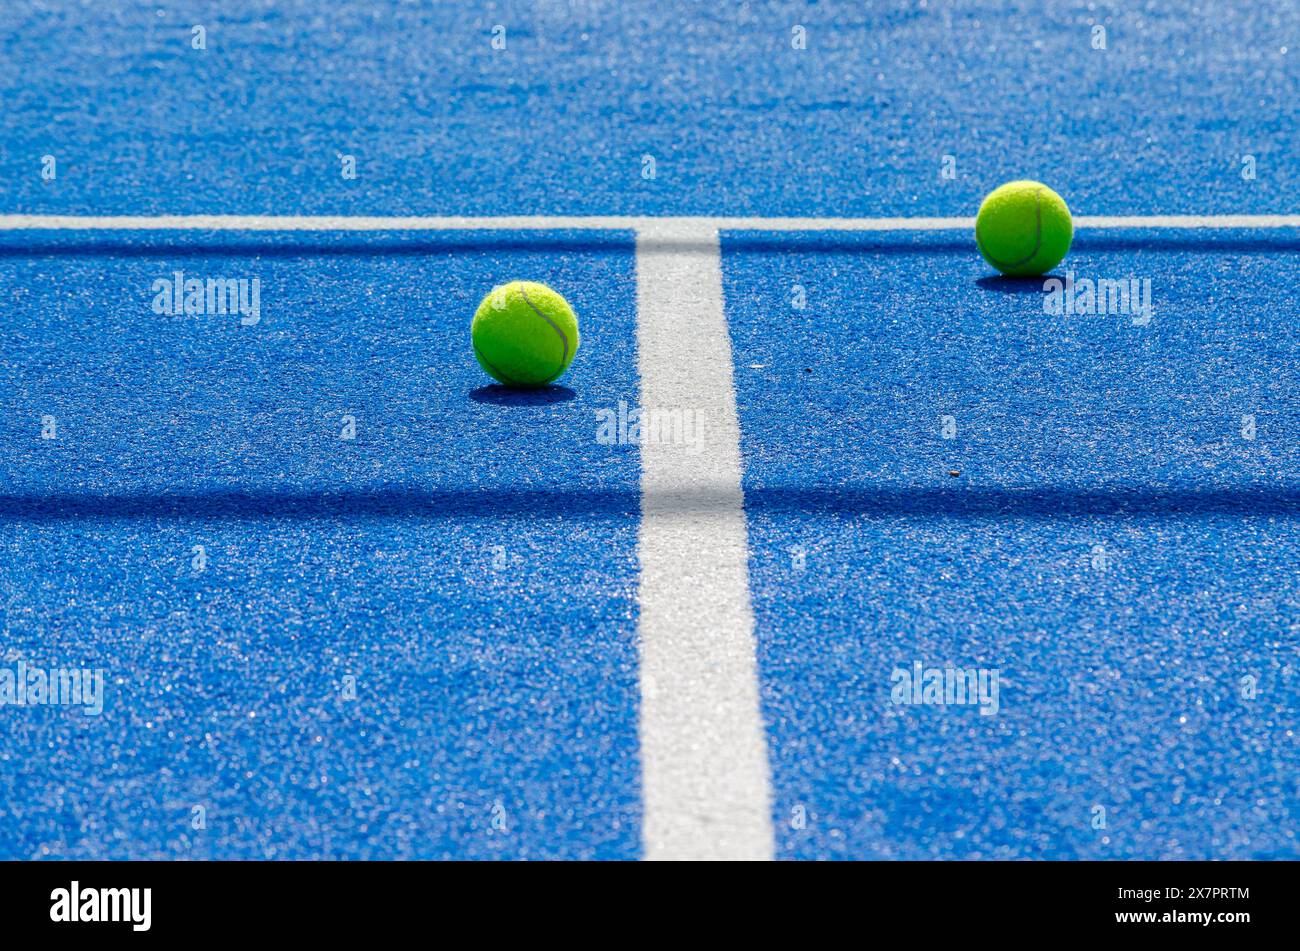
<point>587,223</point>
<point>1188,221</point>
<point>703,745</point>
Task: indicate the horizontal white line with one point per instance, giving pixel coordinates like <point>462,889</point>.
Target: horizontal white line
<point>1186,221</point>
<point>585,223</point>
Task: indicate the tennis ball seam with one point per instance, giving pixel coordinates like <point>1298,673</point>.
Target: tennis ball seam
<point>1038,235</point>
<point>564,357</point>
<point>523,291</point>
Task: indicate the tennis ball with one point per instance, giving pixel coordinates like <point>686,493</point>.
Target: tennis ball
<point>1023,228</point>
<point>524,334</point>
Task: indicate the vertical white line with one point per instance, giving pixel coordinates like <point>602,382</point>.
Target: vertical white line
<point>703,745</point>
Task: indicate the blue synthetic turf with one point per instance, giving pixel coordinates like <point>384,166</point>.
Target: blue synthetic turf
<point>511,695</point>
<point>558,122</point>
<point>477,685</point>
<point>1120,678</point>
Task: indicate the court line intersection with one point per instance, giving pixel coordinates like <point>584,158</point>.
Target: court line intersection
<point>706,775</point>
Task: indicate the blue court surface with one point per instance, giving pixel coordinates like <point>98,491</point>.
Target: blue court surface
<point>350,599</point>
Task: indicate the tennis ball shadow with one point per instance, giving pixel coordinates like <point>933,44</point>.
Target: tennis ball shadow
<point>1003,284</point>
<point>499,395</point>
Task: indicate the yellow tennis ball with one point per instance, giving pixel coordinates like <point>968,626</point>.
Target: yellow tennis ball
<point>1023,228</point>
<point>524,334</point>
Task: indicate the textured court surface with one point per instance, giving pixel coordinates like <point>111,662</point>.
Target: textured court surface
<point>558,121</point>
<point>469,557</point>
<point>1119,675</point>
<point>423,640</point>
